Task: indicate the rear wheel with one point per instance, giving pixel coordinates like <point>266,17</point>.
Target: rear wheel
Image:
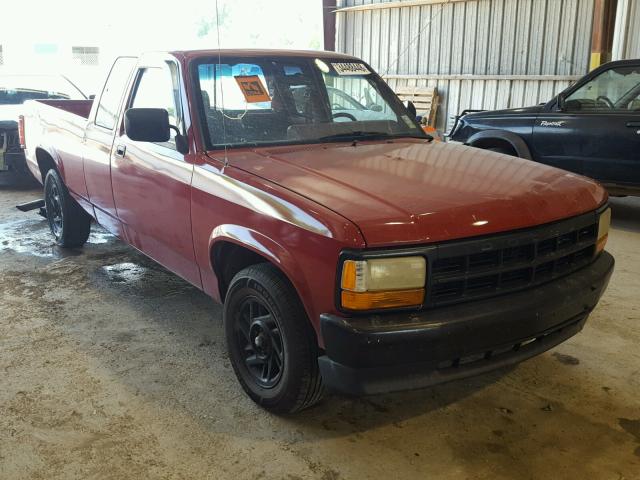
<point>271,344</point>
<point>69,223</point>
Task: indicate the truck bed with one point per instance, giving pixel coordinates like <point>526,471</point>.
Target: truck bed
<point>62,123</point>
<point>77,107</point>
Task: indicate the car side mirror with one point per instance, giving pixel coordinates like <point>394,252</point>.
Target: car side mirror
<point>561,102</point>
<point>411,108</point>
<point>375,108</point>
<point>147,124</point>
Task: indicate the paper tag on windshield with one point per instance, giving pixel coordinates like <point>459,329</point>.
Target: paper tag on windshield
<point>350,69</point>
<point>252,88</point>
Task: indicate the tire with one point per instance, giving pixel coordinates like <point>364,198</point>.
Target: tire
<point>502,150</point>
<point>69,223</point>
<point>267,330</point>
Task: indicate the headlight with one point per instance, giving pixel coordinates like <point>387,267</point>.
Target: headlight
<point>383,283</point>
<point>603,230</point>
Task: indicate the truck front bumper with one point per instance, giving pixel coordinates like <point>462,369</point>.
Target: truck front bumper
<point>403,351</point>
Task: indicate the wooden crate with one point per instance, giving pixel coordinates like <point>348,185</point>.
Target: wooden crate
<point>424,98</point>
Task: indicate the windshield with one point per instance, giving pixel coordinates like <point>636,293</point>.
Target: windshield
<point>17,89</point>
<point>614,89</point>
<point>265,101</point>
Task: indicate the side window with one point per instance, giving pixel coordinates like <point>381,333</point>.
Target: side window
<point>107,113</point>
<point>616,89</point>
<point>156,89</point>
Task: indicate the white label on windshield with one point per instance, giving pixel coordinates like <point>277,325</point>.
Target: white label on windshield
<point>350,69</point>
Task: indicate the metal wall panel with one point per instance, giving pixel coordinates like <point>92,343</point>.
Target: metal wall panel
<point>626,41</point>
<point>423,42</point>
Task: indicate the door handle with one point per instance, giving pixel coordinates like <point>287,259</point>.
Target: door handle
<point>633,124</point>
<point>121,150</point>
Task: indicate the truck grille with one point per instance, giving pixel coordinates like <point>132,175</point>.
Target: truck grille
<point>500,264</point>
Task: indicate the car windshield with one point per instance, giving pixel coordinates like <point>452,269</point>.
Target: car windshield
<point>17,89</point>
<point>266,101</point>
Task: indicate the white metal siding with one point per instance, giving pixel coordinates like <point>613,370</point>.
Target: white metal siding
<point>477,53</point>
<point>626,41</point>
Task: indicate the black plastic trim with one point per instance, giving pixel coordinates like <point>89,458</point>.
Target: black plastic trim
<point>397,351</point>
<point>516,141</point>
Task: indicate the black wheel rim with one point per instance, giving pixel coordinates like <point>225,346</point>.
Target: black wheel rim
<point>259,341</point>
<point>54,209</point>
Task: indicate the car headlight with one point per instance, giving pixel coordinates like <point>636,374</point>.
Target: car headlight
<point>383,283</point>
<point>604,222</point>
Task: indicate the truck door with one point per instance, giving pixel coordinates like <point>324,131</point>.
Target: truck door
<point>598,131</point>
<point>99,135</point>
<point>151,181</point>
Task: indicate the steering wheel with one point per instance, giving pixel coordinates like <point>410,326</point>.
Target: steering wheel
<point>606,101</point>
<point>344,115</point>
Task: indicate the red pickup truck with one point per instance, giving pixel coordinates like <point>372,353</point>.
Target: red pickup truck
<point>350,251</point>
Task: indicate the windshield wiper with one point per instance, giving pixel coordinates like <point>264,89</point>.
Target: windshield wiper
<point>353,135</point>
<point>361,135</point>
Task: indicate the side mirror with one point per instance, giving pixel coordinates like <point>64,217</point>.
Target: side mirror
<point>561,102</point>
<point>411,108</point>
<point>375,108</point>
<point>91,97</point>
<point>147,124</point>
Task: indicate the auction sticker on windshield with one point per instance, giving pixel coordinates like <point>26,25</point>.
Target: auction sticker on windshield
<point>350,69</point>
<point>252,89</point>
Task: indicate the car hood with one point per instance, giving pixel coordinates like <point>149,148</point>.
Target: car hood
<point>412,191</point>
<point>524,111</point>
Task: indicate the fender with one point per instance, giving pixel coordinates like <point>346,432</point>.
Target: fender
<point>54,155</point>
<point>265,247</point>
<point>514,140</point>
<point>83,202</point>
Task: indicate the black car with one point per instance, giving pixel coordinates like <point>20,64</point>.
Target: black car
<point>591,128</point>
<point>14,91</point>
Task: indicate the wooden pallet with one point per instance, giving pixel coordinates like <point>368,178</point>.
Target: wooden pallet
<point>424,98</point>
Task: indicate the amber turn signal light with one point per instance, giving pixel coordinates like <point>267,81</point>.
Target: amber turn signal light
<point>380,300</point>
<point>604,222</point>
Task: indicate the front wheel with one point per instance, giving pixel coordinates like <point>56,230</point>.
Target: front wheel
<point>271,344</point>
<point>69,223</point>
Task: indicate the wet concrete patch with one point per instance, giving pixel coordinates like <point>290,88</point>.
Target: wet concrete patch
<point>631,426</point>
<point>100,237</point>
<point>139,276</point>
<point>31,236</point>
<point>125,272</point>
<point>566,359</point>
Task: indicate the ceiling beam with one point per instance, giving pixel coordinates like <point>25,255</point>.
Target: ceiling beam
<point>387,5</point>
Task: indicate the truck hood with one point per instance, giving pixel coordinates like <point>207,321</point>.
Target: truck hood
<point>411,191</point>
<point>524,111</point>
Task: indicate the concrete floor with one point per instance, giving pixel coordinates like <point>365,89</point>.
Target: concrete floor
<point>111,367</point>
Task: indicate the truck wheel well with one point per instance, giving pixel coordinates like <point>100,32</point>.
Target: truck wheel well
<point>45,162</point>
<point>495,143</point>
<point>228,259</point>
